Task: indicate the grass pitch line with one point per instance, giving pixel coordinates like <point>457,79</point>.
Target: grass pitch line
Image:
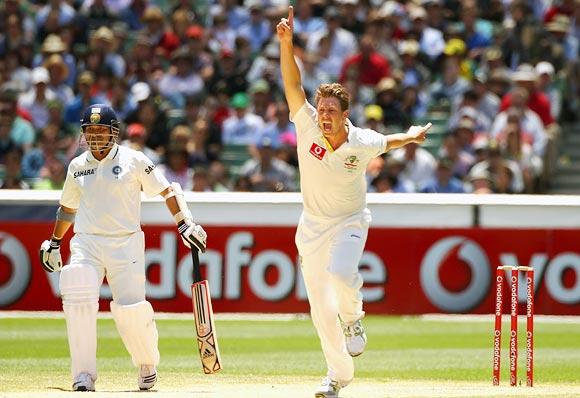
<point>569,319</point>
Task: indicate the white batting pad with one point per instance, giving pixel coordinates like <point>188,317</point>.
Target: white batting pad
<point>79,287</point>
<point>138,331</point>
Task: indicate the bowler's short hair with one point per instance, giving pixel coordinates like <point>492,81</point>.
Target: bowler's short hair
<point>333,90</point>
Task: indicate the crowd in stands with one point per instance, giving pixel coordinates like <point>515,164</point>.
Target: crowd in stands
<point>197,87</point>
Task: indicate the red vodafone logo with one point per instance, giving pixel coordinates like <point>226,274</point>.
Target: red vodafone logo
<point>317,151</point>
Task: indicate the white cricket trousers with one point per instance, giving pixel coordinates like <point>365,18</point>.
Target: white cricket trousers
<point>330,251</point>
<point>122,260</point>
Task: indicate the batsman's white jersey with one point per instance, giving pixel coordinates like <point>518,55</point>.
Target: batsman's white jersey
<point>107,194</point>
<point>333,230</point>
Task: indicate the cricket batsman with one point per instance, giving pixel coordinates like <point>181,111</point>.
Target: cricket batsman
<point>333,155</point>
<point>101,197</point>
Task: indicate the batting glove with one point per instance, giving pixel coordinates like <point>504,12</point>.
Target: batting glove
<point>50,255</point>
<point>192,235</point>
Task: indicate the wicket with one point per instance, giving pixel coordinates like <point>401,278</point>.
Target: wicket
<point>513,347</point>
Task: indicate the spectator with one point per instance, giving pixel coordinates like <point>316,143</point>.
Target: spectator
<point>241,128</point>
<point>136,138</point>
<point>444,181</point>
<point>419,164</point>
<point>19,131</point>
<point>175,168</point>
<point>367,67</point>
<point>34,100</point>
<point>268,173</point>
<point>53,175</point>
<point>12,173</point>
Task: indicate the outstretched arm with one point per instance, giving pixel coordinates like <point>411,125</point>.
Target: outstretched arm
<point>290,73</point>
<point>415,134</point>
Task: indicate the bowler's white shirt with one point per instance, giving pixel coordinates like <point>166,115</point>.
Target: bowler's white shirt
<point>107,193</point>
<point>333,183</point>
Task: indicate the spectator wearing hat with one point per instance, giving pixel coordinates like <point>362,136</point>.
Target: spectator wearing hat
<point>480,182</point>
<point>242,126</point>
<point>181,79</point>
<point>465,134</point>
<point>266,172</point>
<point>367,67</point>
<point>546,85</point>
<point>58,72</point>
<point>525,76</point>
<point>15,128</point>
<point>34,100</point>
<point>436,17</point>
<point>374,118</point>
<point>136,137</point>
<point>431,40</point>
<point>414,72</point>
<point>341,43</point>
<point>387,97</point>
<point>560,47</point>
<point>102,42</point>
<point>84,98</point>
<point>164,40</point>
<point>444,181</point>
<point>257,30</point>
<point>195,42</point>
<point>261,98</point>
<point>353,16</point>
<point>53,44</point>
<point>506,174</point>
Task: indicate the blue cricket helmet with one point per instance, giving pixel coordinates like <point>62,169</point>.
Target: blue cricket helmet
<point>100,115</point>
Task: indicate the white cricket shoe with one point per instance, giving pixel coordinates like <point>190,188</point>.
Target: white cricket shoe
<point>355,337</point>
<point>328,389</point>
<point>147,377</point>
<point>83,382</point>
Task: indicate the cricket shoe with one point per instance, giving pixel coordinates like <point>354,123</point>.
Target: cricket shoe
<point>83,382</point>
<point>147,377</point>
<point>328,389</point>
<point>355,337</point>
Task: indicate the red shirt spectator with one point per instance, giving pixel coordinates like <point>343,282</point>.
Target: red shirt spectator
<point>367,67</point>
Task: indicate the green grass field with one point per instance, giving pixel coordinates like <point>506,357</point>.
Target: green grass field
<point>283,358</point>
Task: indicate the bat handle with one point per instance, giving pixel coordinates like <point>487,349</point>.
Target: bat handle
<point>195,263</point>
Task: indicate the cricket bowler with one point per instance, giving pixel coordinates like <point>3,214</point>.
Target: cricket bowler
<point>333,155</point>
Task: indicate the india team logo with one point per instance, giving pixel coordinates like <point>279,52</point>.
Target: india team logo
<point>95,118</point>
<point>317,151</point>
<point>117,170</point>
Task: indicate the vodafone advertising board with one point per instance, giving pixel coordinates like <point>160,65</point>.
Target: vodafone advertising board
<point>255,269</point>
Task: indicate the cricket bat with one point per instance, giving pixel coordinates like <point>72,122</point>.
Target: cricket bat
<point>203,315</point>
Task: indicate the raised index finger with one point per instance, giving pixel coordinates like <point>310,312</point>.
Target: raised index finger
<point>291,17</point>
<point>427,126</point>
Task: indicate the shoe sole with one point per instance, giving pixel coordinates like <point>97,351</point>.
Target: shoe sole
<point>322,395</point>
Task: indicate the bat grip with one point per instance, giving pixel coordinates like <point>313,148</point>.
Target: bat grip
<point>195,263</point>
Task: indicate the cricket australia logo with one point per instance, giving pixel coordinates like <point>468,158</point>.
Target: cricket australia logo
<point>351,163</point>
